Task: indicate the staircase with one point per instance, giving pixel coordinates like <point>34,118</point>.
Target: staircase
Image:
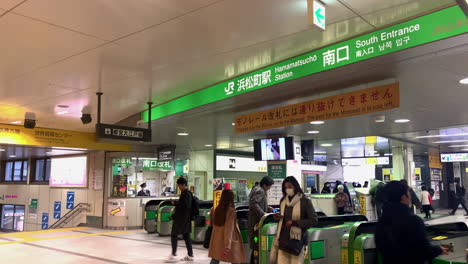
<point>81,207</point>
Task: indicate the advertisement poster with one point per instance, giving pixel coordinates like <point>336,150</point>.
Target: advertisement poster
<point>116,208</point>
<point>417,174</point>
<point>275,193</point>
<point>387,175</point>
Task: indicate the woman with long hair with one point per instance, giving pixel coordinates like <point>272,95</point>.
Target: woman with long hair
<point>226,241</point>
<point>297,215</point>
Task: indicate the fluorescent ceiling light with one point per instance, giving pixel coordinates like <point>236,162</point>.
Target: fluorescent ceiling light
<point>233,124</point>
<point>327,145</point>
<point>64,112</point>
<point>183,134</point>
<point>320,152</point>
<point>464,81</point>
<point>16,122</point>
<point>450,141</point>
<point>208,145</point>
<point>388,154</point>
<point>12,156</point>
<point>313,132</point>
<point>402,121</point>
<point>2,150</point>
<point>436,136</point>
<point>317,122</point>
<point>251,139</point>
<point>457,146</point>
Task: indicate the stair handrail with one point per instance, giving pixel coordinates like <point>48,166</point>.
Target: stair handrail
<point>69,214</point>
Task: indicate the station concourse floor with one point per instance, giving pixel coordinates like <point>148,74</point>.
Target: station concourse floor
<point>96,246</point>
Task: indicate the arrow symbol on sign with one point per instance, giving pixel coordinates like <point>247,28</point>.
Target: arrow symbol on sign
<point>57,215</point>
<point>70,197</point>
<point>318,14</point>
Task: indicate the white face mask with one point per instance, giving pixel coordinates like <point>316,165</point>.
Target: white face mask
<point>290,192</point>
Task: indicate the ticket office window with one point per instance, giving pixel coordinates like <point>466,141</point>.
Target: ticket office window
<point>15,171</point>
<point>12,217</point>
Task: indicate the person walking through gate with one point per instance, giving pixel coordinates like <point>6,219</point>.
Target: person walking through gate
<point>459,199</point>
<point>181,225</point>
<point>226,241</point>
<point>297,215</point>
<point>400,235</point>
<point>258,207</point>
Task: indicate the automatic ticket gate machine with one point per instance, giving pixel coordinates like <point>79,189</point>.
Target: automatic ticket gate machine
<point>324,239</point>
<point>164,222</point>
<point>454,235</point>
<point>243,222</point>
<point>201,222</point>
<point>151,212</point>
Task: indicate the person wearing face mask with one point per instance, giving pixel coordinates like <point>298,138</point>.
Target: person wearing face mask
<point>143,191</point>
<point>400,231</point>
<point>297,215</point>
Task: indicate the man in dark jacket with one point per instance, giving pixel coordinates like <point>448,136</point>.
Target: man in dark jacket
<point>400,235</point>
<point>459,199</point>
<point>181,225</point>
<point>258,207</point>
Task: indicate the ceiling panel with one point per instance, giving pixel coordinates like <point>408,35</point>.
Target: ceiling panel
<point>27,44</point>
<point>8,4</point>
<point>108,19</point>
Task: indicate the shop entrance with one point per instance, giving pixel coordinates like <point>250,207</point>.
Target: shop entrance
<point>12,217</point>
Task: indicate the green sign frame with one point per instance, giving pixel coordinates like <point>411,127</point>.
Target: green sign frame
<point>277,171</point>
<point>439,25</point>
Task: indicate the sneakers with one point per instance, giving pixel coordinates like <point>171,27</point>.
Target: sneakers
<point>171,259</point>
<point>187,259</point>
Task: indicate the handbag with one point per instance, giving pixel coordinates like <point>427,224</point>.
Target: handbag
<point>294,246</point>
<point>206,242</point>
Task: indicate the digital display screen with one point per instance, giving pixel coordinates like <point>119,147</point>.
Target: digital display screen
<point>68,172</point>
<point>274,149</point>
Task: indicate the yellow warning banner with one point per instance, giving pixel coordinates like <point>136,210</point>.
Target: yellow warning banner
<point>360,102</point>
<point>18,135</point>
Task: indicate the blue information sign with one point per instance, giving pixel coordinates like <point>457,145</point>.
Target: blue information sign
<point>57,210</point>
<point>70,200</point>
<point>45,221</point>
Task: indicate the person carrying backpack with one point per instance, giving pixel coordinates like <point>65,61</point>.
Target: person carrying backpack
<point>182,216</point>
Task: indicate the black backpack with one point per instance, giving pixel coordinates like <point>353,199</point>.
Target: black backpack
<point>195,209</point>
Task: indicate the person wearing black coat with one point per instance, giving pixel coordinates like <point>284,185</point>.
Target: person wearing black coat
<point>181,224</point>
<point>400,235</point>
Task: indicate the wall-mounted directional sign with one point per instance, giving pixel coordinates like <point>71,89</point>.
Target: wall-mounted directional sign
<point>70,200</point>
<point>123,133</point>
<point>45,221</point>
<point>57,210</point>
<point>317,13</point>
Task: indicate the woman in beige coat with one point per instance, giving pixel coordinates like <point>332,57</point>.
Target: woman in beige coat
<point>226,242</point>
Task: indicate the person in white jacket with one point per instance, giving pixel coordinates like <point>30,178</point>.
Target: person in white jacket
<point>426,202</point>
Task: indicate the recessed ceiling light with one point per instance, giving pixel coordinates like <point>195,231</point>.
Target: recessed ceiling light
<point>458,146</point>
<point>435,136</point>
<point>1,150</point>
<point>63,106</point>
<point>208,145</point>
<point>327,145</point>
<point>64,112</point>
<point>16,122</point>
<point>183,134</point>
<point>464,81</point>
<point>12,156</point>
<point>313,132</point>
<point>388,154</point>
<point>251,139</point>
<point>233,124</point>
<point>402,121</point>
<point>317,122</point>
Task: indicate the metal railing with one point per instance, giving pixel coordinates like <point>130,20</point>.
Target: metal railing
<point>69,216</point>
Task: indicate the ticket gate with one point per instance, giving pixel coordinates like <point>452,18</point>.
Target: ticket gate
<point>454,235</point>
<point>164,222</point>
<point>151,212</point>
<point>266,232</point>
<point>243,222</point>
<point>201,222</point>
<point>324,239</point>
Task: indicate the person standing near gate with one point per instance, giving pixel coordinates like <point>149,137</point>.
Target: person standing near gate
<point>258,207</point>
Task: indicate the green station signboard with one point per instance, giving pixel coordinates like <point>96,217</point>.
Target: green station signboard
<point>422,30</point>
<point>155,165</point>
<point>277,171</point>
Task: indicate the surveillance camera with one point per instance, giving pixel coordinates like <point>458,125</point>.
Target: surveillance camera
<point>29,120</point>
<point>141,124</point>
<point>86,117</point>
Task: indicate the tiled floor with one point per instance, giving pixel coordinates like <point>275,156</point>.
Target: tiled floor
<point>87,245</point>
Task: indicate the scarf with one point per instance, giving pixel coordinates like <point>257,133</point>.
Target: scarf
<point>296,232</point>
